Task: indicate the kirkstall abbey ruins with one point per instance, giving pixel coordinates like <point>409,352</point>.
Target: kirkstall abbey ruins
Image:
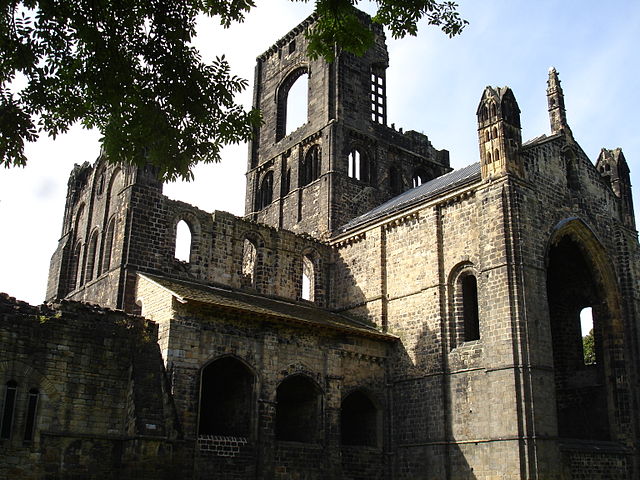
<point>374,315</point>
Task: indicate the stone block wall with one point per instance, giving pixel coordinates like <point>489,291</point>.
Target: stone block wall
<point>337,363</point>
<point>99,388</point>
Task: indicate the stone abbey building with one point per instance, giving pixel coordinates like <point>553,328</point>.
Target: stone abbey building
<point>374,315</point>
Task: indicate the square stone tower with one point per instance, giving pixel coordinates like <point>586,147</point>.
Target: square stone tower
<point>343,160</point>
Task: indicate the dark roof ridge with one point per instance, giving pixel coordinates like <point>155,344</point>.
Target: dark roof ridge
<point>426,191</point>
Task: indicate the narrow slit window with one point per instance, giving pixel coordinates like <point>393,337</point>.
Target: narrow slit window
<point>470,308</point>
<point>308,286</point>
<point>249,263</point>
<point>419,177</point>
<point>91,257</point>
<point>30,421</point>
<point>265,194</point>
<point>108,246</point>
<point>10,393</point>
<point>74,267</point>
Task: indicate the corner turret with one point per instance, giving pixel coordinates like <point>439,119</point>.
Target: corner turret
<point>555,100</point>
<point>499,132</point>
<point>614,169</point>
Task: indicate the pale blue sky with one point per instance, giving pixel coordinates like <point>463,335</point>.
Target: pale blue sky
<point>434,85</point>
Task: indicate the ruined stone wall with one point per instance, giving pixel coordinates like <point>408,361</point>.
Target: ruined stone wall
<point>337,364</point>
<point>134,228</point>
<point>87,265</point>
<point>95,396</point>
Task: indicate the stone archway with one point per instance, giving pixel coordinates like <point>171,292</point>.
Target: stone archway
<point>580,275</point>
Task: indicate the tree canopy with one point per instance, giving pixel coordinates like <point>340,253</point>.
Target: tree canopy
<point>588,348</point>
<point>128,68</point>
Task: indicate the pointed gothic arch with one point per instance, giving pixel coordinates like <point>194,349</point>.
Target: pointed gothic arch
<point>579,274</point>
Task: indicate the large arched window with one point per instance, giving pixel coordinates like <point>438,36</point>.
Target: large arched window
<point>359,421</point>
<point>297,104</point>
<point>183,242</point>
<point>573,285</point>
<point>310,168</point>
<point>298,410</point>
<point>226,398</point>
<point>265,193</point>
<point>292,102</point>
<point>8,409</point>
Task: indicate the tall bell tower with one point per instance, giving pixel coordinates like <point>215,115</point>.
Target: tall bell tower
<point>343,160</point>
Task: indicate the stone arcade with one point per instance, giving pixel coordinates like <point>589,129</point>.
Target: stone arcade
<point>374,315</point>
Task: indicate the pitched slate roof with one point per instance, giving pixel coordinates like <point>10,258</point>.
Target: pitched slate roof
<point>264,307</point>
<point>426,191</point>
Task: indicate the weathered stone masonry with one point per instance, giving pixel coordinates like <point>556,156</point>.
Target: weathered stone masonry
<point>375,315</point>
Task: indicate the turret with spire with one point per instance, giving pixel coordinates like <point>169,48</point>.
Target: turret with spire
<point>555,99</point>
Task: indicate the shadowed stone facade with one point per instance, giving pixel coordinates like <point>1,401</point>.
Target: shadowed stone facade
<point>374,315</point>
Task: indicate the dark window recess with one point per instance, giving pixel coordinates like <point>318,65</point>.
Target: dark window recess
<point>286,182</point>
<point>91,257</point>
<point>265,194</point>
<point>8,409</point>
<point>395,181</point>
<point>310,170</point>
<point>226,399</point>
<point>358,421</point>
<point>470,308</point>
<point>30,421</point>
<point>297,410</point>
<point>74,266</point>
<point>106,259</point>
